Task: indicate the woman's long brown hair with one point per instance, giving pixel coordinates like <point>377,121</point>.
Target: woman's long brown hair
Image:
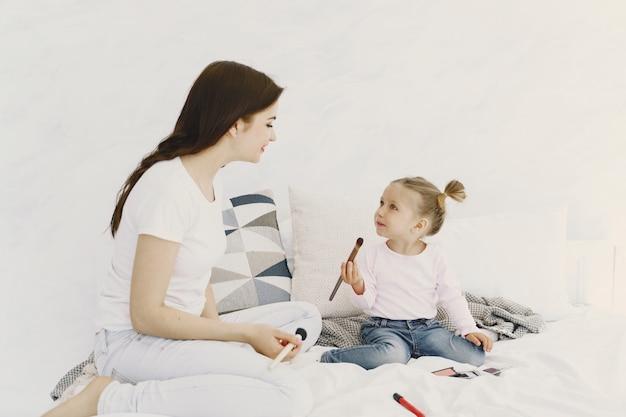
<point>222,94</point>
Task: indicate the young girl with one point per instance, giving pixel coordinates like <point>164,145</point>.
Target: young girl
<point>401,281</point>
<point>161,346</point>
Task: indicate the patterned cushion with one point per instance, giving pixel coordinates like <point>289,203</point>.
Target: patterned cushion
<point>253,271</point>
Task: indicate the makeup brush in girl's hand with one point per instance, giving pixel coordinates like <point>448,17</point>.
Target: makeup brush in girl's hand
<point>357,246</point>
<point>288,347</point>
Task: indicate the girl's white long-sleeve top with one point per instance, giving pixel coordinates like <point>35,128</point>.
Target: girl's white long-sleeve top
<point>408,287</point>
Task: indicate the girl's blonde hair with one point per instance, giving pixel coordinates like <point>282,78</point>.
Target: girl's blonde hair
<point>432,202</point>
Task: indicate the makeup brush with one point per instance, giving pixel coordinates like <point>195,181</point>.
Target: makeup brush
<point>357,246</point>
<point>288,347</point>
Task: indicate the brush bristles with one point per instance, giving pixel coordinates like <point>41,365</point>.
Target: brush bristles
<point>357,246</point>
<point>301,332</point>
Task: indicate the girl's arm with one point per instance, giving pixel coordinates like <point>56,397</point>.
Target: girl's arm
<point>350,275</point>
<point>479,339</point>
<point>362,296</point>
<point>452,299</point>
<point>152,269</point>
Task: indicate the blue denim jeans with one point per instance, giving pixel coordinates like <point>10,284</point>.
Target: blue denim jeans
<point>397,341</point>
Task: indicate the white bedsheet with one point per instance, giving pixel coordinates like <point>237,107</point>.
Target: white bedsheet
<point>577,367</point>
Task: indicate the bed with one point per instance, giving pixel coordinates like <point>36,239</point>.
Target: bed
<point>570,360</point>
<point>521,101</point>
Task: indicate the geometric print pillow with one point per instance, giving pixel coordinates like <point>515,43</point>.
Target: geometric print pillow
<point>253,270</point>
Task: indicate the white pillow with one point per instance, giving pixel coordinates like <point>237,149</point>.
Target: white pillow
<point>518,255</point>
<point>325,229</point>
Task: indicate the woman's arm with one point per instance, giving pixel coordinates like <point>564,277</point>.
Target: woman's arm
<point>152,269</point>
<point>210,309</point>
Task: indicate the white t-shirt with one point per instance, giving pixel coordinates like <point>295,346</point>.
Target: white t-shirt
<point>168,204</point>
<point>401,287</point>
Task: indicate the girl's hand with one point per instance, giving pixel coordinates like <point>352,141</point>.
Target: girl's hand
<point>478,339</point>
<point>350,275</point>
<point>269,341</point>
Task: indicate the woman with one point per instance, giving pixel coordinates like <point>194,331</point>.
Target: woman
<point>161,345</point>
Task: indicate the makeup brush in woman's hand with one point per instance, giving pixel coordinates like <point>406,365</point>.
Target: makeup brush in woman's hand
<point>288,347</point>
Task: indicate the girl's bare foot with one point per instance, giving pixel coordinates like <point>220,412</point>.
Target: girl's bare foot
<point>85,403</point>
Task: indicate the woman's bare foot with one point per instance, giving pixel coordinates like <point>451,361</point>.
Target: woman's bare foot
<point>85,403</point>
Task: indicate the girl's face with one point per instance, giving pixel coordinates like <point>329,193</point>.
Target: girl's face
<point>396,217</point>
<point>256,134</point>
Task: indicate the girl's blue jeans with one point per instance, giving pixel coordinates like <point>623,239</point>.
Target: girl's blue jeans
<point>397,341</point>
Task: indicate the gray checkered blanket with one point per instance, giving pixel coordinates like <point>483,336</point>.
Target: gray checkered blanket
<point>506,318</point>
<point>69,378</point>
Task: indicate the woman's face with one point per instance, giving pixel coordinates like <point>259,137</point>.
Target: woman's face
<point>256,134</point>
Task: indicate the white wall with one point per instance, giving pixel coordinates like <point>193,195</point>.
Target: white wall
<point>619,283</point>
<point>522,101</point>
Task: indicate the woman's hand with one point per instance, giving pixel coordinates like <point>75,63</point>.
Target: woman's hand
<point>350,275</point>
<point>269,341</point>
<point>478,339</point>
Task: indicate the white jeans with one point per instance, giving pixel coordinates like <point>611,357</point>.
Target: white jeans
<point>188,378</point>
